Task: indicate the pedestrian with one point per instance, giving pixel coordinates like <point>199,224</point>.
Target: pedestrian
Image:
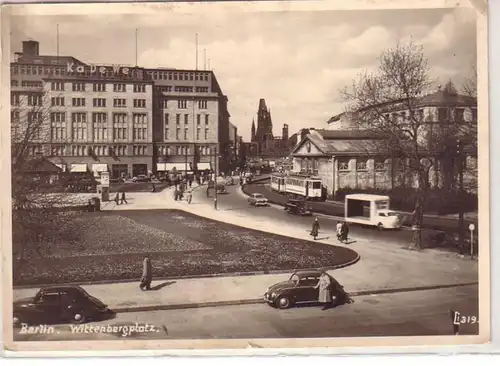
<point>315,228</point>
<point>190,183</point>
<point>324,294</point>
<point>147,274</point>
<point>339,230</point>
<point>189,196</point>
<point>154,187</point>
<point>345,232</point>
<point>117,198</point>
<point>123,198</point>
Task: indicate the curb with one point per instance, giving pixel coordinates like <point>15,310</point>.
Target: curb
<point>211,275</point>
<point>261,301</point>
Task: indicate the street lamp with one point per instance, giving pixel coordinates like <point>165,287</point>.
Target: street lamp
<point>216,158</point>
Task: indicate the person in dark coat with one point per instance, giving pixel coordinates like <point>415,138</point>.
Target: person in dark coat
<point>154,187</point>
<point>117,198</point>
<point>123,198</point>
<point>324,295</point>
<point>315,228</point>
<point>344,232</point>
<point>147,274</point>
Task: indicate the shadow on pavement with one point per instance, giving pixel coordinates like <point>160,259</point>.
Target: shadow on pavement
<point>162,285</point>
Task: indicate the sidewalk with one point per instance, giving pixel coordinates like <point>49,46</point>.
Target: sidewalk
<point>380,267</point>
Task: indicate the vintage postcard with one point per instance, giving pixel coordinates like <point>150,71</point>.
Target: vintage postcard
<point>224,175</point>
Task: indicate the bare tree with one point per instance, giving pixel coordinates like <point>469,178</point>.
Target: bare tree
<point>386,102</point>
<point>469,86</point>
<point>37,219</point>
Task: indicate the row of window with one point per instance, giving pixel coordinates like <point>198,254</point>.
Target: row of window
<point>183,104</point>
<point>167,134</point>
<point>156,75</point>
<point>184,89</point>
<point>184,150</point>
<point>97,117</point>
<point>96,87</point>
<point>444,114</point>
<point>186,119</point>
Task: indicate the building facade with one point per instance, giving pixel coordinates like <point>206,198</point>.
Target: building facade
<point>126,120</point>
<point>344,156</point>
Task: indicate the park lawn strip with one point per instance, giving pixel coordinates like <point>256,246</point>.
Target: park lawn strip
<point>111,246</point>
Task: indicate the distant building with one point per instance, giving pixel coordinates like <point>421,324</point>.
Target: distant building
<point>263,143</point>
<point>344,156</point>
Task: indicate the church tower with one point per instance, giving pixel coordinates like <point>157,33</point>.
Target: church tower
<point>264,123</point>
<point>252,137</point>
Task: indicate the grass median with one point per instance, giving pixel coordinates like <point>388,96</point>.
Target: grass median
<point>111,246</point>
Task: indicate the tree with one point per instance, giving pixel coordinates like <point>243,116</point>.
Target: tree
<point>37,219</point>
<point>386,102</point>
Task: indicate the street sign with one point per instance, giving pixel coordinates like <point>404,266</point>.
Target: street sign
<point>105,179</point>
<point>472,227</point>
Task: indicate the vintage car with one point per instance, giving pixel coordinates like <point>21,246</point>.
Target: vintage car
<point>68,303</point>
<point>298,207</point>
<point>140,178</point>
<point>258,199</point>
<point>300,289</point>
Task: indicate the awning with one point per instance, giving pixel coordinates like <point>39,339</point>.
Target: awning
<point>204,166</point>
<point>161,167</point>
<point>78,168</point>
<point>99,167</point>
<point>180,167</point>
<point>62,166</point>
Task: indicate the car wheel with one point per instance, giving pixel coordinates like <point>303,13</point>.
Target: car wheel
<point>78,317</point>
<point>283,302</point>
<point>17,320</point>
<point>380,226</point>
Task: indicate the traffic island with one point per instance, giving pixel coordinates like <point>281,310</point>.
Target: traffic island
<point>109,246</point>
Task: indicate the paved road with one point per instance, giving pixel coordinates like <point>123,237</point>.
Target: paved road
<point>400,314</point>
<point>234,201</point>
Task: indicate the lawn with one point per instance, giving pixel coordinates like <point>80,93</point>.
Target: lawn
<point>111,245</point>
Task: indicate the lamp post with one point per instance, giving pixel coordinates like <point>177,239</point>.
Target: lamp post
<point>460,164</point>
<point>216,158</point>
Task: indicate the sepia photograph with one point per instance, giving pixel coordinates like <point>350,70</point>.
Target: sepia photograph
<point>225,174</point>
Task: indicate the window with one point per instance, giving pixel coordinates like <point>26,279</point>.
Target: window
<point>198,131</point>
<point>119,102</point>
<point>58,125</point>
<point>56,86</point>
<point>177,119</point>
<point>78,86</point>
<point>139,103</point>
<point>206,119</point>
<point>34,100</point>
<point>177,133</point>
<point>99,87</point>
<point>442,114</point>
<point>184,89</point>
<point>361,164</point>
<point>99,102</point>
<point>186,133</point>
<point>379,165</point>
<point>165,127</point>
<point>139,88</point>
<point>206,133</point>
<point>343,164</point>
<point>186,119</point>
<point>198,119</point>
<point>15,99</point>
<point>57,101</point>
<point>164,104</point>
<point>140,150</point>
<point>202,104</point>
<point>120,122</point>
<point>79,126</point>
<point>182,104</point>
<point>202,89</point>
<point>459,115</point>
<point>474,114</point>
<point>119,88</point>
<point>118,150</point>
<point>57,151</point>
<point>100,125</point>
<point>78,102</point>
<point>140,123</point>
<point>15,116</point>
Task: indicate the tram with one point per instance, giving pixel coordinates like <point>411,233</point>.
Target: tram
<point>298,186</point>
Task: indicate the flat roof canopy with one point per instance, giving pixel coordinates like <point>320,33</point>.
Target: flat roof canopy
<point>366,197</point>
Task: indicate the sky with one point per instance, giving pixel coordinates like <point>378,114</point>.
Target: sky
<point>296,60</point>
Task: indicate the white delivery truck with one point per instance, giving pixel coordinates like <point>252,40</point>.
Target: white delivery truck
<point>371,209</point>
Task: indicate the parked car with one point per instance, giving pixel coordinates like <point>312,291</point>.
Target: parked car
<point>299,289</point>
<point>258,199</point>
<point>69,303</point>
<point>298,207</point>
<point>140,178</point>
<point>116,180</point>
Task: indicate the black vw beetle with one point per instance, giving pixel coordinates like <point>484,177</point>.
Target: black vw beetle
<point>299,289</point>
<point>298,207</point>
<point>59,303</point>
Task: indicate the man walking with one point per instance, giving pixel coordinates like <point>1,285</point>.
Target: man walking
<point>315,229</point>
<point>147,274</point>
<point>123,198</point>
<point>117,198</point>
